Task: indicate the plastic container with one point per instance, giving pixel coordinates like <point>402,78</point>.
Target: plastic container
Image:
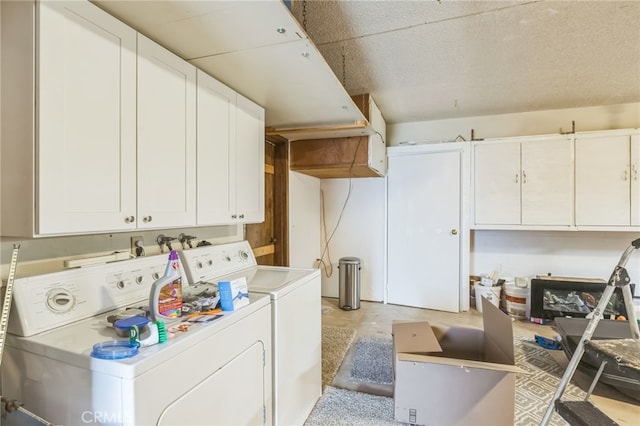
<point>114,349</point>
<point>123,326</point>
<point>492,294</point>
<point>165,299</point>
<point>516,300</point>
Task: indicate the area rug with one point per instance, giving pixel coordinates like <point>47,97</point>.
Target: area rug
<point>534,390</point>
<point>335,344</point>
<point>372,361</point>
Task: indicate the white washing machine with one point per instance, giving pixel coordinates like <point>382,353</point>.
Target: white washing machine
<point>295,322</point>
<point>214,373</point>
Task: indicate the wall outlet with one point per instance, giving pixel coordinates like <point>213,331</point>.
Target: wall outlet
<point>137,246</point>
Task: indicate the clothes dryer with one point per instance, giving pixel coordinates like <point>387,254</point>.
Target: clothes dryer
<point>295,321</point>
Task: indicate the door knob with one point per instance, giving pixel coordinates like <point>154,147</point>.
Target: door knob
<point>454,232</point>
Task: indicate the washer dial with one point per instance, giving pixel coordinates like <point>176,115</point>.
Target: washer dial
<point>60,300</point>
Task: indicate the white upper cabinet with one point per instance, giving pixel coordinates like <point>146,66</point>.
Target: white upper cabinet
<point>166,138</point>
<point>635,179</point>
<point>230,155</point>
<point>497,183</point>
<point>68,115</point>
<point>98,125</point>
<point>216,134</point>
<point>547,182</point>
<point>524,181</point>
<point>249,161</point>
<point>607,185</point>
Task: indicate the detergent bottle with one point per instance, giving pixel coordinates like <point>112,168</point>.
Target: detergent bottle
<point>165,300</point>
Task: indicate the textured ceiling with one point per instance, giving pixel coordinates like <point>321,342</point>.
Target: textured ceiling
<point>426,60</point>
<point>420,60</point>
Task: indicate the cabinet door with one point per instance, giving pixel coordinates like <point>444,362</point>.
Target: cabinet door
<point>86,120</point>
<point>166,138</point>
<point>249,161</point>
<point>635,179</point>
<point>216,131</point>
<point>547,182</point>
<point>603,181</point>
<point>497,183</point>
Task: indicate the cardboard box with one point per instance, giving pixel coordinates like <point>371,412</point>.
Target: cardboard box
<point>455,375</point>
<point>233,294</point>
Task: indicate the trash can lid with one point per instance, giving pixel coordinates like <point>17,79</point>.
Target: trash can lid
<point>349,260</point>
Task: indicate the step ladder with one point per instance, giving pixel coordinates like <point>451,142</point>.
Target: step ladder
<point>625,353</point>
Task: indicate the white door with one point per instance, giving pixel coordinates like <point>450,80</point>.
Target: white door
<point>497,183</point>
<point>424,230</point>
<point>547,182</point>
<point>86,120</point>
<point>603,181</point>
<point>166,138</point>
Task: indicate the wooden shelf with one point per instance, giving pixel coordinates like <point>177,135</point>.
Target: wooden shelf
<point>334,158</point>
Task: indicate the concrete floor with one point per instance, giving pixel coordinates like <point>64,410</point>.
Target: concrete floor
<point>374,319</point>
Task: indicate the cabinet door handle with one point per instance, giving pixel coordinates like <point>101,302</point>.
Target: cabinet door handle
<point>524,177</point>
<point>234,216</point>
<point>129,219</point>
<point>517,175</point>
<point>635,172</point>
<point>454,232</point>
<point>147,219</point>
<point>242,216</point>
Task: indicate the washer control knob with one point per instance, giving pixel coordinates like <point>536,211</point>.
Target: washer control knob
<point>210,262</point>
<point>120,284</point>
<point>243,255</point>
<point>155,275</point>
<point>60,300</point>
<point>199,265</point>
<point>139,279</point>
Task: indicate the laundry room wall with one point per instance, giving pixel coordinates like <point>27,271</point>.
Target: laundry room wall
<point>355,217</point>
<point>561,253</point>
<point>42,255</point>
<point>304,220</point>
<point>620,116</point>
<point>358,229</point>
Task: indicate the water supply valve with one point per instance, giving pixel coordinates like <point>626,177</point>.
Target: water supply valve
<point>186,239</point>
<point>163,241</point>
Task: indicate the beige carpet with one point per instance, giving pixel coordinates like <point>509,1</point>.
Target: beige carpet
<point>335,344</point>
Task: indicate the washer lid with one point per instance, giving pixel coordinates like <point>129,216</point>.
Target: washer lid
<point>279,281</point>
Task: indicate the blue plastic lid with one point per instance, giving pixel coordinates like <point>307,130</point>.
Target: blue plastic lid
<point>114,349</point>
<point>127,323</point>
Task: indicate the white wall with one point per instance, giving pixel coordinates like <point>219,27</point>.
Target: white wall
<point>622,116</point>
<point>561,253</point>
<point>359,232</point>
<point>304,220</point>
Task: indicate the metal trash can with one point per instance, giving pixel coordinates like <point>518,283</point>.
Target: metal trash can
<point>349,294</point>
